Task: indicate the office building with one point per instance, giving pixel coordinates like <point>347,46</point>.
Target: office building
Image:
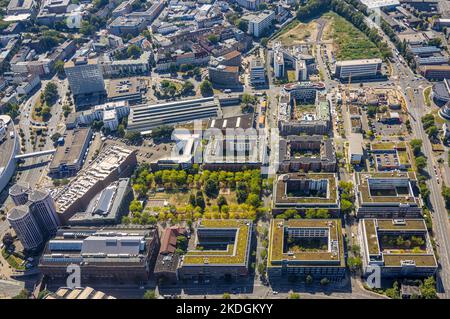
<point>130,90</point>
<point>85,78</point>
<point>34,219</point>
<point>306,153</point>
<point>358,68</point>
<point>435,72</point>
<point>259,24</point>
<point>293,119</point>
<point>224,76</point>
<point>250,4</point>
<point>306,247</point>
<point>19,7</point>
<point>390,156</point>
<point>222,251</point>
<point>355,148</point>
<point>441,91</point>
<point>399,247</point>
<point>302,191</point>
<point>71,152</point>
<point>146,117</point>
<point>107,254</point>
<point>257,72</point>
<point>387,195</point>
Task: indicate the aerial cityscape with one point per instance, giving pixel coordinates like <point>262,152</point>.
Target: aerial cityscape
<point>224,149</point>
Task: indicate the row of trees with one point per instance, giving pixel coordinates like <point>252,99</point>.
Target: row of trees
<point>245,182</point>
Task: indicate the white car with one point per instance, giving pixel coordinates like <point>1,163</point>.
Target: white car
<point>275,292</point>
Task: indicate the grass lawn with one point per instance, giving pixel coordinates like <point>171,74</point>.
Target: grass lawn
<point>296,32</point>
<point>349,42</point>
<point>291,75</point>
<point>12,260</point>
<point>181,198</point>
<point>426,95</point>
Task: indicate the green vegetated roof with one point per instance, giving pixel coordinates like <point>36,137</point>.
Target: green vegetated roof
<point>332,187</point>
<point>277,257</point>
<point>394,257</point>
<point>235,254</point>
<point>366,197</point>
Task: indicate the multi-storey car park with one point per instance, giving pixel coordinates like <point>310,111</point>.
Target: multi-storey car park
<point>222,250</point>
<point>302,191</point>
<point>400,247</point>
<point>387,195</point>
<point>302,247</point>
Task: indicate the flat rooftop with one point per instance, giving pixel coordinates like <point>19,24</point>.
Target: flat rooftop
<point>380,237</point>
<point>358,62</point>
<point>71,151</point>
<point>387,188</point>
<point>7,145</point>
<point>105,163</point>
<point>328,187</point>
<point>329,230</point>
<point>237,251</point>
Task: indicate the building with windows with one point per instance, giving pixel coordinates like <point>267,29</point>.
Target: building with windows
<point>306,247</point>
<point>145,117</point>
<point>387,195</point>
<point>302,191</point>
<point>441,91</point>
<point>259,24</point>
<point>107,207</point>
<point>390,156</point>
<point>435,72</point>
<point>257,72</point>
<point>85,79</point>
<point>306,153</point>
<point>71,152</point>
<point>112,163</point>
<point>34,219</point>
<point>250,4</point>
<point>224,76</point>
<point>222,250</point>
<point>303,110</point>
<point>103,254</point>
<point>400,247</point>
<point>358,68</point>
